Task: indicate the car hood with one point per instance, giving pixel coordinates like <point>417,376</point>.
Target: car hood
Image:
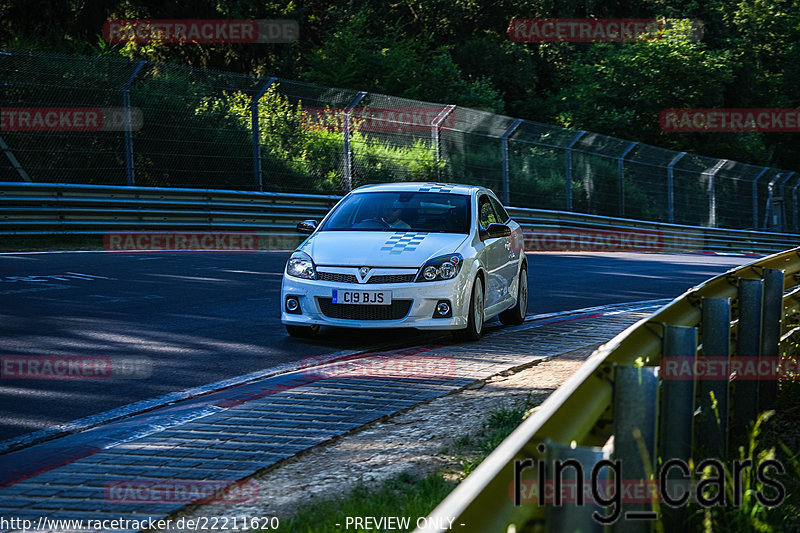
<point>379,248</point>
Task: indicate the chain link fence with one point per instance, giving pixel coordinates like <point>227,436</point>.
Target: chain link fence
<point>108,120</point>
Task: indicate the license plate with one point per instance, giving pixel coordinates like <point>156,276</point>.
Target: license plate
<point>362,297</point>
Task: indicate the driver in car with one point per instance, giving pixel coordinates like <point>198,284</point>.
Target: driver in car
<point>391,215</point>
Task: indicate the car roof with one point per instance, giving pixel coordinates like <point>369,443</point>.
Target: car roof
<point>405,186</point>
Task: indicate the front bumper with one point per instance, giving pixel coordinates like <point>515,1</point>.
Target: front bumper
<point>423,298</point>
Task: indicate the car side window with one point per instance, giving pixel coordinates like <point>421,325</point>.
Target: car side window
<point>486,214</point>
<point>499,210</point>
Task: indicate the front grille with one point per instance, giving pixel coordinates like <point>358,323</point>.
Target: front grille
<point>339,278</point>
<point>350,278</point>
<point>397,310</point>
<point>393,278</point>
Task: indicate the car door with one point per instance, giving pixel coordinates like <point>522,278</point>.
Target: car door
<point>512,258</point>
<point>495,253</point>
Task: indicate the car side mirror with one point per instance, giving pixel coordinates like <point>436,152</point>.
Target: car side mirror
<point>307,227</point>
<point>494,231</point>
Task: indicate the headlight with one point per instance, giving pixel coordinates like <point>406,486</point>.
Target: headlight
<point>300,265</point>
<point>441,268</point>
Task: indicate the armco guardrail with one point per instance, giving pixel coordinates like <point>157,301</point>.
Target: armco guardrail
<point>560,231</point>
<point>746,319</point>
<point>44,208</point>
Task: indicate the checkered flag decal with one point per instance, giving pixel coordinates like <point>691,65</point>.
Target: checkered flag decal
<point>401,242</point>
<point>436,187</point>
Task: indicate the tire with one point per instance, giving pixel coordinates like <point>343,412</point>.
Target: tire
<point>302,332</point>
<point>516,315</point>
<point>474,329</point>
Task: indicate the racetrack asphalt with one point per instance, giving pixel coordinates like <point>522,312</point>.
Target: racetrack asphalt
<point>198,318</point>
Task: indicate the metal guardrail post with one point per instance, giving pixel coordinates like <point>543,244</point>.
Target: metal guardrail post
<point>348,153</point>
<point>635,406</point>
<point>621,170</point>
<point>126,114</point>
<point>504,141</point>
<point>748,344</point>
<point>712,193</point>
<point>755,197</point>
<point>578,464</point>
<point>671,187</point>
<point>569,167</point>
<point>435,137</point>
<point>676,421</point>
<point>256,132</point>
<point>712,439</point>
<point>770,336</point>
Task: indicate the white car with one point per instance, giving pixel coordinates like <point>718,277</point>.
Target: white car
<point>422,255</point>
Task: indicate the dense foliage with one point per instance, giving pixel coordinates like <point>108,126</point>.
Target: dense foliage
<point>459,52</point>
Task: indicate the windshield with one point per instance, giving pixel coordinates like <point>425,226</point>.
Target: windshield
<point>410,211</point>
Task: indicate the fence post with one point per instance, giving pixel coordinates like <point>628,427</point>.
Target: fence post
<point>621,170</point>
<point>795,206</point>
<point>770,336</point>
<point>781,190</point>
<point>435,137</point>
<point>745,391</point>
<point>569,167</point>
<point>670,187</point>
<point>712,440</point>
<point>5,148</point>
<point>13,160</point>
<point>770,195</point>
<point>755,197</point>
<point>255,127</point>
<point>348,153</point>
<point>635,408</point>
<point>712,193</point>
<point>677,421</point>
<point>126,114</point>
<point>504,141</point>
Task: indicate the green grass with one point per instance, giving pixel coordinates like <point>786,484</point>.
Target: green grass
<point>409,495</point>
<point>404,495</point>
<point>776,435</point>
